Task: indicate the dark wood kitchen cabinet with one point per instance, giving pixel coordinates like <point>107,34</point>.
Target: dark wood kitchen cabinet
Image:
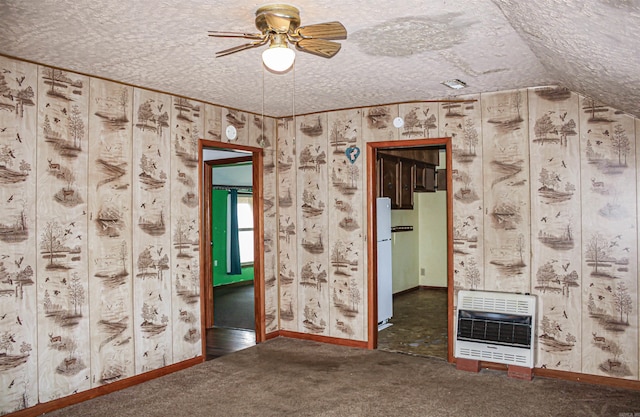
<point>441,175</point>
<point>396,180</point>
<point>406,184</point>
<point>425,178</point>
<point>399,178</point>
<point>388,167</point>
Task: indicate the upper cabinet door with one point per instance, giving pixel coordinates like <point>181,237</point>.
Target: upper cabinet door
<point>388,172</point>
<point>424,178</point>
<point>406,184</point>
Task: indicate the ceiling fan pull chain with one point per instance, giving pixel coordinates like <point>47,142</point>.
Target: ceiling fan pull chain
<point>293,104</point>
<point>261,142</point>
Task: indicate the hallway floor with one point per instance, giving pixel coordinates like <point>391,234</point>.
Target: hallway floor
<point>419,324</point>
<point>233,320</point>
<point>223,341</point>
<point>233,306</point>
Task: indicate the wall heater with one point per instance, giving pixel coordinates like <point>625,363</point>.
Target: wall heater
<point>496,327</point>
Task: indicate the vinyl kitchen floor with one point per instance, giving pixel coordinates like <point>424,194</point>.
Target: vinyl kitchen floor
<point>419,324</point>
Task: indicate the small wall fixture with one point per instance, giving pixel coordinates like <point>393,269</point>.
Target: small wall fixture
<point>455,84</point>
<point>278,57</point>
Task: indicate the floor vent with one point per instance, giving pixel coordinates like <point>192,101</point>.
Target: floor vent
<point>496,327</point>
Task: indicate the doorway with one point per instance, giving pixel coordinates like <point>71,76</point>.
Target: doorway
<point>239,306</point>
<point>422,316</point>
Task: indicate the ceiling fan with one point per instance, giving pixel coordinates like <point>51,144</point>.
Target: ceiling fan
<point>279,24</point>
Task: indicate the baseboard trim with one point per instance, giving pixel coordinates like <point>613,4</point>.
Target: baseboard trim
<point>541,372</point>
<point>49,406</point>
<point>324,339</point>
<point>570,376</point>
<point>234,284</point>
<point>272,335</point>
<point>590,379</point>
<point>419,288</point>
<point>42,408</point>
<point>431,288</point>
<point>408,290</point>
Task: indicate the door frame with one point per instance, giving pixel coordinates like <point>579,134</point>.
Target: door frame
<point>372,275</point>
<point>206,271</point>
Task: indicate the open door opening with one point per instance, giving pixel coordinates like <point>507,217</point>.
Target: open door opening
<point>421,320</point>
<point>232,238</point>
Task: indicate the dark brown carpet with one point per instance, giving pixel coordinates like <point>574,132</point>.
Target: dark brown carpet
<point>288,377</point>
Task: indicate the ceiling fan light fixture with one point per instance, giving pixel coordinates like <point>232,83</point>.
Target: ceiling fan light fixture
<point>278,57</point>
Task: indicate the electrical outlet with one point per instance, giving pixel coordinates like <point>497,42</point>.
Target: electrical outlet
<point>422,271</point>
<point>215,263</point>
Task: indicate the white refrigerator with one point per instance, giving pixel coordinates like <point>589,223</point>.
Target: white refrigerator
<point>383,232</point>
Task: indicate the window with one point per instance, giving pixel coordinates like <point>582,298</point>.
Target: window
<point>245,228</point>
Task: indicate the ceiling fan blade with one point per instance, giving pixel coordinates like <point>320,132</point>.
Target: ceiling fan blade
<point>240,48</point>
<point>223,34</point>
<point>329,30</point>
<point>320,47</point>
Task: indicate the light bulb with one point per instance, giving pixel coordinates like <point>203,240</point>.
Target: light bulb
<point>278,58</point>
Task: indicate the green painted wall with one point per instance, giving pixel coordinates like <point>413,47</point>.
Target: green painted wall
<point>219,238</point>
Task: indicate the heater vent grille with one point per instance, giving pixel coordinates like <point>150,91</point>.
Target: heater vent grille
<point>481,302</point>
<point>510,330</point>
<point>495,327</point>
<point>490,356</point>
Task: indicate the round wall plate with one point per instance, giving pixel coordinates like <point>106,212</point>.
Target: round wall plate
<point>231,132</point>
<point>398,122</point>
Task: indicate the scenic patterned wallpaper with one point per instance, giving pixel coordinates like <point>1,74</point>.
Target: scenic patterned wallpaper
<point>544,201</point>
<point>99,264</point>
<point>99,272</point>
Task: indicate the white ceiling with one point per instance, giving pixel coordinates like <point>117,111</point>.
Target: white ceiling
<point>396,50</point>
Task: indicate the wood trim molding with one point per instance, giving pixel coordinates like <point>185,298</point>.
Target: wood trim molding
<point>230,161</point>
<point>432,288</point>
<point>272,335</point>
<point>324,339</point>
<point>589,379</point>
<point>450,281</point>
<point>453,100</point>
<point>206,297</point>
<point>569,376</point>
<point>205,267</point>
<point>407,291</point>
<point>47,407</point>
<point>372,254</point>
<point>372,299</point>
<point>222,106</point>
<point>258,262</point>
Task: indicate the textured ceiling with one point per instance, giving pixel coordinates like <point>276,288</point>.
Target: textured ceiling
<point>396,51</point>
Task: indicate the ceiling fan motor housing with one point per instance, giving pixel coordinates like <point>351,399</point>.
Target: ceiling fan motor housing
<point>278,18</point>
